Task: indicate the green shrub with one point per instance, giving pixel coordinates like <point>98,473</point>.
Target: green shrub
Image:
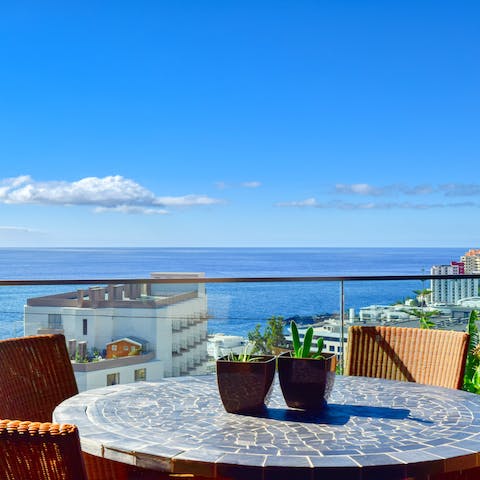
<point>471,381</point>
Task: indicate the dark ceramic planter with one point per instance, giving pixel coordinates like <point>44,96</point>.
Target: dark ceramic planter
<point>306,383</point>
<point>245,387</point>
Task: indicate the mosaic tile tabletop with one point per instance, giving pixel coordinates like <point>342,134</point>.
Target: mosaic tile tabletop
<point>371,429</point>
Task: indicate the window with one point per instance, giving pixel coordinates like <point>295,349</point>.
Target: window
<point>85,326</point>
<point>332,348</point>
<point>114,348</point>
<point>113,379</point>
<point>55,321</point>
<point>141,375</point>
<point>125,348</point>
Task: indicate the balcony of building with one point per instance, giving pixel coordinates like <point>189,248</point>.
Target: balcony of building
<point>166,352</point>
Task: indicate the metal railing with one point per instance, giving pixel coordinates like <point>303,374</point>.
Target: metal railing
<point>231,304</point>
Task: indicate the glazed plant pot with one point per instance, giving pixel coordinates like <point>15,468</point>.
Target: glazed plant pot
<point>306,383</point>
<point>245,387</point>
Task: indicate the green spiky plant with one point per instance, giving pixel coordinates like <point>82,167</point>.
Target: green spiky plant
<point>422,296</point>
<point>424,317</point>
<point>242,357</point>
<point>303,350</point>
<point>471,381</point>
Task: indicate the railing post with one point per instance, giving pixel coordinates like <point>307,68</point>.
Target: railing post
<point>342,324</point>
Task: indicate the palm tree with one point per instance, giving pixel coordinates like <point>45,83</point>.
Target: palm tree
<point>424,316</point>
<point>422,296</point>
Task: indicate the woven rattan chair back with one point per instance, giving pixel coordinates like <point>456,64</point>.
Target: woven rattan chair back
<point>433,357</point>
<point>40,451</point>
<point>35,376</point>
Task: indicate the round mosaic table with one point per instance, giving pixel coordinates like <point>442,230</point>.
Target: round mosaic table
<point>371,429</point>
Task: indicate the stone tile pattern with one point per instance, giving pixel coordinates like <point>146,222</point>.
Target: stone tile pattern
<point>372,428</point>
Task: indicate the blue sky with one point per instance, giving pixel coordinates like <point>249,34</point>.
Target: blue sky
<point>253,123</point>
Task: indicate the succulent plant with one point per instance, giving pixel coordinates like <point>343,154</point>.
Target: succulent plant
<point>303,350</point>
<point>245,356</point>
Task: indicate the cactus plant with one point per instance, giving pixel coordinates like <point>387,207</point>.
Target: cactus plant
<point>303,350</point>
<point>306,377</point>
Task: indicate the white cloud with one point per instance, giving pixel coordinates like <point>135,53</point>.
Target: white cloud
<point>448,190</point>
<point>111,193</point>
<point>132,210</point>
<point>251,184</point>
<point>459,189</point>
<point>358,189</point>
<point>107,191</point>
<point>7,228</point>
<point>224,185</point>
<point>186,201</point>
<point>370,190</point>
<point>417,189</point>
<point>340,205</point>
<point>399,205</point>
<point>309,202</point>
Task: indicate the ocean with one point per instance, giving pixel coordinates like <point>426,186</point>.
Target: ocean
<point>234,308</point>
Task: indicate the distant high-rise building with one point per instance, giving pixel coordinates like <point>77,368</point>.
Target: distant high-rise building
<point>449,291</point>
<point>471,260</point>
<point>460,265</point>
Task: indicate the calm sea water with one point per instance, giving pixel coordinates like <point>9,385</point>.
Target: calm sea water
<point>235,308</point>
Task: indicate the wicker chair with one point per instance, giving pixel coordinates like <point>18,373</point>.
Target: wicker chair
<point>433,357</point>
<point>35,376</point>
<point>39,451</point>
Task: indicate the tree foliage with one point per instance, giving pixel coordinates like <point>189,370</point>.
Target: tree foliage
<point>471,381</point>
<point>273,336</point>
<point>422,296</point>
<point>424,316</point>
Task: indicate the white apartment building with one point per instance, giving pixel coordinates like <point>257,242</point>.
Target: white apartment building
<point>168,320</point>
<point>450,291</point>
<point>471,260</point>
